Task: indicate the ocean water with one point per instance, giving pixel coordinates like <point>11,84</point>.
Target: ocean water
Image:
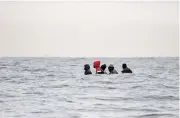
<point>58,88</point>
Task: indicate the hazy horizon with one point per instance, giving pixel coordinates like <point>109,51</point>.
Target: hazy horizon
<point>84,57</point>
<point>89,29</point>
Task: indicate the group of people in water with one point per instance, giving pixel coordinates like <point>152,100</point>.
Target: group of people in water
<point>102,69</point>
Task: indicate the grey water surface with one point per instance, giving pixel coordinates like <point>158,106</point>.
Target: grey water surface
<point>58,88</point>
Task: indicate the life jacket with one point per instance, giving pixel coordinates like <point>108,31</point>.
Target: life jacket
<point>97,66</point>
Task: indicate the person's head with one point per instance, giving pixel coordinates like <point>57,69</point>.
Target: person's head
<point>86,67</point>
<point>96,64</point>
<point>111,68</point>
<point>103,67</point>
<point>124,66</point>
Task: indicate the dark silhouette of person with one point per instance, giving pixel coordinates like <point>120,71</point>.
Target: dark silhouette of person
<point>112,70</point>
<point>103,68</point>
<point>87,69</point>
<point>125,69</point>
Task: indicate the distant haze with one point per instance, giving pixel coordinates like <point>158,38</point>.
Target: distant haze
<point>89,29</point>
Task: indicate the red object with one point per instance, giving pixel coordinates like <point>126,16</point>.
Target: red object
<point>97,66</point>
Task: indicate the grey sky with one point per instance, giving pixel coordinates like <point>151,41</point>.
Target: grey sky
<point>78,29</point>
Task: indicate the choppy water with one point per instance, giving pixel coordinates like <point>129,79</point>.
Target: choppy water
<point>58,88</point>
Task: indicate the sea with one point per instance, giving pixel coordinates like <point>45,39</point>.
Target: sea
<point>54,87</point>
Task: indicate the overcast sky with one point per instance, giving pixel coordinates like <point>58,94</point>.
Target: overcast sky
<point>89,29</point>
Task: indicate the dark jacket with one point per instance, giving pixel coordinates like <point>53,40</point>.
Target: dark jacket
<point>126,70</point>
<point>87,72</point>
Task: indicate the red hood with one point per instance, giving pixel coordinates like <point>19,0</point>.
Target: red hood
<point>97,64</point>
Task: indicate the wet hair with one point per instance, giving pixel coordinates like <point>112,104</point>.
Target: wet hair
<point>86,67</point>
<point>111,68</point>
<point>124,66</point>
<point>103,67</point>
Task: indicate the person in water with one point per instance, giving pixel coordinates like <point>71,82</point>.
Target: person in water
<point>125,69</point>
<point>96,65</point>
<point>103,68</point>
<point>112,70</point>
<point>87,69</point>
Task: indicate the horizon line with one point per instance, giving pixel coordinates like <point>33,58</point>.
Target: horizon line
<point>87,57</point>
<point>89,1</point>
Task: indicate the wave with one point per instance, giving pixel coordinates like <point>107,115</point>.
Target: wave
<point>155,97</point>
<point>157,115</point>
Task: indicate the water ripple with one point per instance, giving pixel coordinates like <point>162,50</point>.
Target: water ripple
<point>57,87</point>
